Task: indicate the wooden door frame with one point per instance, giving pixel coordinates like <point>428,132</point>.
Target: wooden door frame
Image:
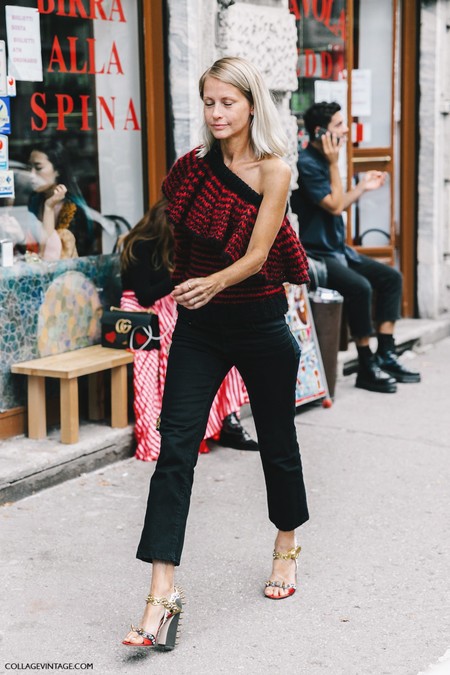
<point>153,19</point>
<point>409,90</point>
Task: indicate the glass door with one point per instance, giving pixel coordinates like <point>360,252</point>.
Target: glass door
<point>372,220</point>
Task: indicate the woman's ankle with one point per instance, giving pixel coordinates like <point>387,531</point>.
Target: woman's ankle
<point>285,540</point>
<point>163,579</point>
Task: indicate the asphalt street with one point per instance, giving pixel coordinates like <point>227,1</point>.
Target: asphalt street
<point>373,574</point>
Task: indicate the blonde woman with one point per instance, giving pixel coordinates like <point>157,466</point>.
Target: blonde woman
<point>234,249</point>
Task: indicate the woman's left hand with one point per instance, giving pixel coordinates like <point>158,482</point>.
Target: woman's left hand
<point>194,293</point>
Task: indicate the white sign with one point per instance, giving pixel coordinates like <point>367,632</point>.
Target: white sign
<point>6,184</point>
<point>24,43</point>
<point>11,85</point>
<point>4,160</point>
<point>3,88</point>
<point>361,93</point>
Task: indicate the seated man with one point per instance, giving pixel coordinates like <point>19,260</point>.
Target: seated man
<point>319,203</point>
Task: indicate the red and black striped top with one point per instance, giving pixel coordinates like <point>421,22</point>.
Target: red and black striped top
<point>213,213</point>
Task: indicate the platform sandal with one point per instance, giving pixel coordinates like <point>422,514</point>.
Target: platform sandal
<point>291,588</point>
<point>168,629</point>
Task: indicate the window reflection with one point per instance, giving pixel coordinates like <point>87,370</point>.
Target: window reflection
<point>89,105</point>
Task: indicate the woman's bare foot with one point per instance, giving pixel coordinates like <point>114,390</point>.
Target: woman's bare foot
<point>151,620</point>
<point>283,571</point>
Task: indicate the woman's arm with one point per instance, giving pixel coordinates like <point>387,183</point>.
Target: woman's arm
<point>49,216</point>
<point>275,181</point>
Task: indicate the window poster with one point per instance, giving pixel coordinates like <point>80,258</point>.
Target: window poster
<point>311,379</point>
<point>76,119</point>
<point>24,40</point>
<point>361,92</point>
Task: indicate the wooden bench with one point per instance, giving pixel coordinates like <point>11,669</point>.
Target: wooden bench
<point>68,367</point>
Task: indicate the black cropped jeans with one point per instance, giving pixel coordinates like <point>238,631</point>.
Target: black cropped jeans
<point>267,356</point>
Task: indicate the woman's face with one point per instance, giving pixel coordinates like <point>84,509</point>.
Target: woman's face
<point>43,173</point>
<point>227,111</point>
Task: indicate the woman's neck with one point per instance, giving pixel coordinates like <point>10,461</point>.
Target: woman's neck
<point>236,150</point>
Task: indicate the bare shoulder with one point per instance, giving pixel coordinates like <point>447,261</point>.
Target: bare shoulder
<point>275,174</point>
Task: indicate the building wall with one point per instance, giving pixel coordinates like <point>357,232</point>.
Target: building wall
<point>433,246</point>
<point>201,31</point>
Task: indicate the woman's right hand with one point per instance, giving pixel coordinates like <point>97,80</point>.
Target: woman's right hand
<point>58,196</point>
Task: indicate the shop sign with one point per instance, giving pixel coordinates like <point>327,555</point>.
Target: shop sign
<point>5,116</point>
<point>6,184</point>
<point>322,12</point>
<point>4,161</point>
<point>73,55</point>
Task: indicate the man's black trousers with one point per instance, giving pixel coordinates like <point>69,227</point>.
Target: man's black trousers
<point>356,284</point>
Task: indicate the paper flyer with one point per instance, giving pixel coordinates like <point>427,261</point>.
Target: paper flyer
<point>24,43</point>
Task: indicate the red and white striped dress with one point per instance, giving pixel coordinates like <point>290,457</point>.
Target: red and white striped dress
<point>149,375</point>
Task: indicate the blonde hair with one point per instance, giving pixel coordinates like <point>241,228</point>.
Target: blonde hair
<point>267,136</point>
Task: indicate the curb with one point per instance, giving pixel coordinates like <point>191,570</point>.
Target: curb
<point>29,466</point>
<point>114,446</point>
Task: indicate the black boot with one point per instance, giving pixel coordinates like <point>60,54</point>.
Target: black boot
<point>233,435</point>
<point>387,360</point>
<point>370,376</point>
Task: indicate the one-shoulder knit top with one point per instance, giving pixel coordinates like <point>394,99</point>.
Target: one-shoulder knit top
<point>213,213</point>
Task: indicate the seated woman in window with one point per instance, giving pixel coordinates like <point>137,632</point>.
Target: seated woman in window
<point>57,201</point>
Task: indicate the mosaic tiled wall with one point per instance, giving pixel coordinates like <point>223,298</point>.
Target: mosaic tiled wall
<point>46,308</point>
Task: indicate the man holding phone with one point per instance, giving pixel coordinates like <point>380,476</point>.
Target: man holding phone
<point>319,203</point>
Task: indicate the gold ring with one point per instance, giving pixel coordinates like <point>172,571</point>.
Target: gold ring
<point>189,285</point>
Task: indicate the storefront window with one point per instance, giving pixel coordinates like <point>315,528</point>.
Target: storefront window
<point>78,102</point>
<point>321,69</point>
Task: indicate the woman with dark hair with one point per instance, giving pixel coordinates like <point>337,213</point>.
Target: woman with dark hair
<point>146,268</point>
<point>57,201</point>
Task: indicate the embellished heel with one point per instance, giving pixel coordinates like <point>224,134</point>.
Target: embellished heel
<point>169,632</point>
<point>168,629</point>
<point>292,554</point>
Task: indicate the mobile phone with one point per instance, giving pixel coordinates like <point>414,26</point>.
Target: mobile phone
<point>319,133</point>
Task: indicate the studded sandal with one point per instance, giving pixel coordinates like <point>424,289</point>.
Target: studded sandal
<point>168,629</point>
<point>290,588</point>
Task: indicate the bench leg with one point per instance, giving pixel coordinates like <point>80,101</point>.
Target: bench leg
<point>37,421</point>
<point>69,411</point>
<point>119,397</point>
<point>96,385</point>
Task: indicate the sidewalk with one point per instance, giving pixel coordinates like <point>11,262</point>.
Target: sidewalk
<point>27,466</point>
<point>373,571</point>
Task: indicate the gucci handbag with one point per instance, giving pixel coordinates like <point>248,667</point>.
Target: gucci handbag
<point>122,329</point>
